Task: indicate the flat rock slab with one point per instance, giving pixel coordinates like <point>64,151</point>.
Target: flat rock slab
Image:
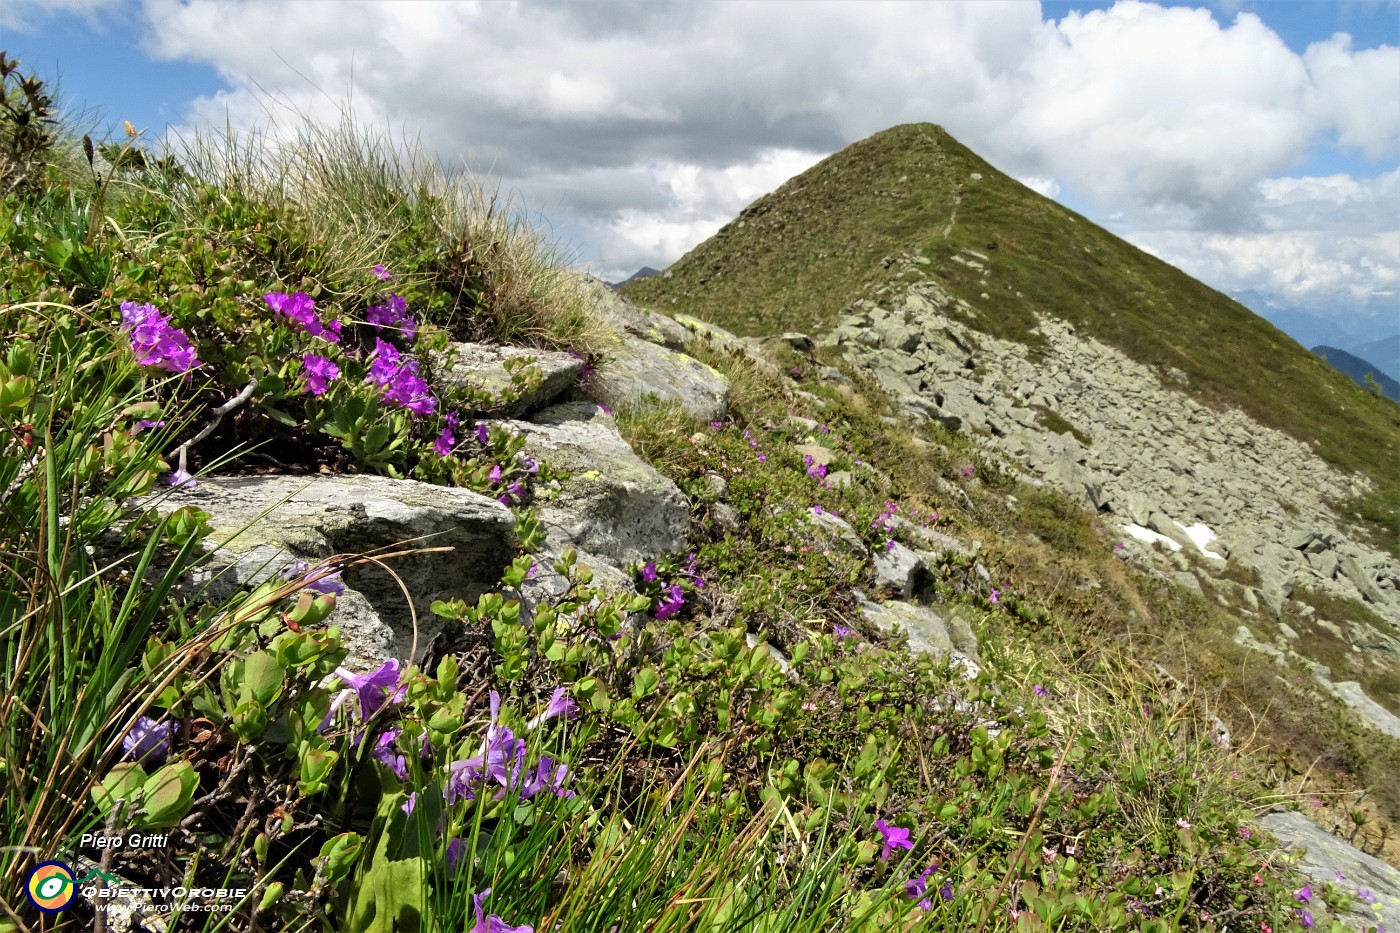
<point>637,372</point>
<point>1326,855</point>
<point>263,523</point>
<point>483,367</point>
<point>613,505</point>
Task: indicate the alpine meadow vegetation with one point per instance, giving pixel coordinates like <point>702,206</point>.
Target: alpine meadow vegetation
<point>594,762</point>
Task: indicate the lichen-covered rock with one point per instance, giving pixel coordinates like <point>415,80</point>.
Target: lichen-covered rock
<point>546,375</point>
<point>926,630</point>
<point>626,318</point>
<point>899,570</point>
<point>638,372</point>
<point>613,505</point>
<point>264,523</point>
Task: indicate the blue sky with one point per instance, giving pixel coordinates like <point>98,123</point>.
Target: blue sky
<point>1244,141</point>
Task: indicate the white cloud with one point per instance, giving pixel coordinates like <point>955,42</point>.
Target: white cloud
<point>26,15</point>
<point>646,126</point>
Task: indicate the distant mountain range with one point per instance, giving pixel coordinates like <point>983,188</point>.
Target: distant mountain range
<point>1358,369</point>
<point>645,272</point>
<point>1317,330</point>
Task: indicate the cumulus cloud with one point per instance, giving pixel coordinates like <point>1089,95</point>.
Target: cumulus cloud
<point>643,126</point>
<point>1326,248</point>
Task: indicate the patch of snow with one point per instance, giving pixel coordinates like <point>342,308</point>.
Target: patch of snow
<point>1200,535</point>
<point>1148,535</point>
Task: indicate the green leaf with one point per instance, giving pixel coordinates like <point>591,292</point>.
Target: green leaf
<point>123,782</point>
<point>263,678</point>
<point>340,853</point>
<point>167,794</point>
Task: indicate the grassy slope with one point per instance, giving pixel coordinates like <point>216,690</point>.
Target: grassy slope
<point>798,256</point>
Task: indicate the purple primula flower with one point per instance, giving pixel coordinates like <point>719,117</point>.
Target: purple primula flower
<point>841,631</point>
<point>180,478</point>
<point>495,475</point>
<point>1305,917</point>
<point>483,432</point>
<point>382,274</point>
<point>143,424</point>
<point>649,571</point>
<point>456,848</point>
<point>408,805</point>
<point>300,309</point>
<point>916,889</point>
<point>329,584</point>
<point>493,923</point>
<point>716,424</point>
<point>1303,894</point>
<point>384,362</point>
<point>444,443</point>
<point>530,465</point>
<point>148,742</point>
<point>946,892</point>
<point>1366,895</point>
<point>385,753</point>
<point>154,341</point>
<point>560,704</point>
<point>995,596</point>
<point>892,837</point>
<point>675,598</point>
<point>393,315</point>
<point>816,510</point>
<point>1040,691</point>
<point>319,373</point>
<point>549,776</point>
<point>375,688</point>
<point>499,759</point>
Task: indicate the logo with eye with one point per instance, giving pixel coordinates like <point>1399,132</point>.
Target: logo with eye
<point>51,886</point>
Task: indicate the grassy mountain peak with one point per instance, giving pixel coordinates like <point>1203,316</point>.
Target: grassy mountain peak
<point>796,258</point>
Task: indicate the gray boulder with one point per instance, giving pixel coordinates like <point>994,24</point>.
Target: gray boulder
<point>638,372</point>
<point>1323,856</point>
<point>927,631</point>
<point>626,318</point>
<point>482,367</point>
<point>266,523</point>
<point>899,569</point>
<point>613,505</point>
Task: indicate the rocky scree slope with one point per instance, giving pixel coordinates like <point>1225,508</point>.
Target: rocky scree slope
<point>1233,460</point>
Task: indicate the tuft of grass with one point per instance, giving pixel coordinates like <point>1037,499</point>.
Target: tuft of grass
<point>367,199</point>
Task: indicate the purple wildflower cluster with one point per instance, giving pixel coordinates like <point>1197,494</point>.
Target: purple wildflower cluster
<point>501,760</point>
<point>393,314</point>
<point>300,309</point>
<point>815,470</point>
<point>916,888</point>
<point>154,341</point>
<point>319,373</point>
<point>398,377</point>
<point>671,596</point>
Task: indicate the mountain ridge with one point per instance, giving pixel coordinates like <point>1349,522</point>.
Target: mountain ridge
<point>796,258</point>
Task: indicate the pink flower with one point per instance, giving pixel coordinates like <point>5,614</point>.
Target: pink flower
<point>382,274</point>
